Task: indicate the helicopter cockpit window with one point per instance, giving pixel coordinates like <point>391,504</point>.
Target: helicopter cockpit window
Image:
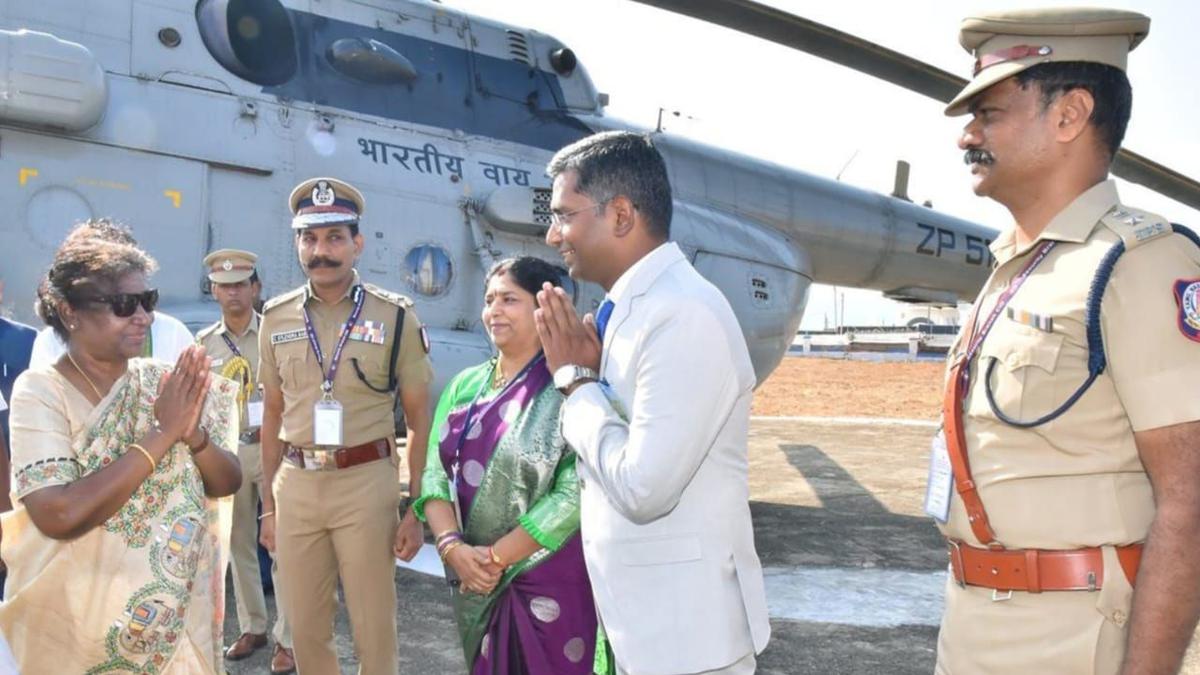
<point>428,270</point>
<point>370,61</point>
<point>252,39</point>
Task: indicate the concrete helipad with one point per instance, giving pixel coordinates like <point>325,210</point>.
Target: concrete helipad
<point>854,570</point>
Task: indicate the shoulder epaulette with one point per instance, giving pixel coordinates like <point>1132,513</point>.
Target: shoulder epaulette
<point>388,296</point>
<point>207,330</point>
<point>281,299</point>
<point>1134,226</point>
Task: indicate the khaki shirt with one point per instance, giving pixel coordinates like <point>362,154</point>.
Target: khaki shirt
<point>288,361</point>
<point>224,360</point>
<point>1077,481</point>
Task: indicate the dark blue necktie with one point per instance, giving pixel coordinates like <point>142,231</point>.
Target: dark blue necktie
<point>602,316</point>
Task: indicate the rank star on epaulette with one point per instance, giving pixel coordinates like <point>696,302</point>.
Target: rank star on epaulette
<point>1187,298</point>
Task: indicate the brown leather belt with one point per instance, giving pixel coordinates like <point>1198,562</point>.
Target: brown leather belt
<point>342,458</point>
<point>1037,570</point>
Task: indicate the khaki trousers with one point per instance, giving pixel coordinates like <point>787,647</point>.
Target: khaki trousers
<point>1060,632</point>
<point>331,525</point>
<point>243,554</point>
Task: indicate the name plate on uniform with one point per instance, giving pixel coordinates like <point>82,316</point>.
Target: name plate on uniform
<point>254,413</point>
<point>327,422</point>
<point>941,480</point>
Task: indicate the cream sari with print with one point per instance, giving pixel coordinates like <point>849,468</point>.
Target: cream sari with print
<point>144,591</point>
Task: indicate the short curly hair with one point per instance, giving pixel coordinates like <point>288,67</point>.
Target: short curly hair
<point>91,261</point>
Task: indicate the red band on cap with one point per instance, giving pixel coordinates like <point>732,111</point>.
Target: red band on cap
<point>1011,54</point>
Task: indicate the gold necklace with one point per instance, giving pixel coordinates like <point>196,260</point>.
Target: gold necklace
<point>85,376</point>
<point>499,381</point>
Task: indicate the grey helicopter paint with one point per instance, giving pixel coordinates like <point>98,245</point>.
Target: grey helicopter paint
<point>192,121</point>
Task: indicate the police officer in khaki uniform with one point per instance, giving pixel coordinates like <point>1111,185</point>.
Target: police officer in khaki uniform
<point>1067,474</point>
<point>331,369</point>
<point>232,343</point>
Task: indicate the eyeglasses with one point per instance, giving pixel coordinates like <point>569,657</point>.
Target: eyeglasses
<point>564,218</point>
<point>125,304</point>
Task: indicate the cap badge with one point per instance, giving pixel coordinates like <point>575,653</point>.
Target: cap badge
<point>227,265</point>
<point>322,194</point>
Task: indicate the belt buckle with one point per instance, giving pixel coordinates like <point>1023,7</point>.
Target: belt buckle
<point>315,460</point>
<point>1001,596</point>
<point>956,556</point>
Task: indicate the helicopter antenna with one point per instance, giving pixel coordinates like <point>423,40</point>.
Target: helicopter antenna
<point>846,165</point>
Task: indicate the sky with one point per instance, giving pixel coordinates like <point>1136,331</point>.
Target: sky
<point>769,101</point>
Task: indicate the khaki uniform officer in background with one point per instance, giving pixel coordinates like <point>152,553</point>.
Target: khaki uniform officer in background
<point>1073,431</point>
<point>330,371</point>
<point>232,343</point>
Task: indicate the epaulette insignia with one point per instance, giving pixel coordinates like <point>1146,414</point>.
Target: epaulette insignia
<point>281,299</point>
<point>1135,227</point>
<point>387,296</point>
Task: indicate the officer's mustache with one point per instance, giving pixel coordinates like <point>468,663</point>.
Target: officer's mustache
<point>320,261</point>
<point>978,156</point>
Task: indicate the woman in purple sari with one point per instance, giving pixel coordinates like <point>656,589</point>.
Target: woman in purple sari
<point>501,494</point>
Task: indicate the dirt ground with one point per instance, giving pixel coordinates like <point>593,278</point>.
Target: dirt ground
<point>809,386</point>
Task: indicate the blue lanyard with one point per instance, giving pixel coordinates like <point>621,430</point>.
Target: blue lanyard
<point>976,340</point>
<point>327,384</point>
<point>469,419</point>
<point>229,343</point>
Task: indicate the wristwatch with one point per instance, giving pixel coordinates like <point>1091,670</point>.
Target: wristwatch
<point>566,376</point>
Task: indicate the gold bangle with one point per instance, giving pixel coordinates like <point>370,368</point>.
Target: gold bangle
<point>495,556</point>
<point>268,513</point>
<point>450,547</point>
<point>149,457</point>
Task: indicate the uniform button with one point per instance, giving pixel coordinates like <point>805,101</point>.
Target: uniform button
<point>582,483</point>
<point>1011,360</point>
<point>1119,617</point>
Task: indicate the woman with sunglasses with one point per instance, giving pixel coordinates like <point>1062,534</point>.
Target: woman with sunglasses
<point>501,496</point>
<point>114,547</point>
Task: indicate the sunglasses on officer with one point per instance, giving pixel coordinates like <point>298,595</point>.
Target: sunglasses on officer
<point>124,305</point>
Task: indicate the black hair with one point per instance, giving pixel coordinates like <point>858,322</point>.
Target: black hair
<point>616,163</point>
<point>104,229</point>
<point>528,272</point>
<point>83,268</point>
<point>1108,85</point>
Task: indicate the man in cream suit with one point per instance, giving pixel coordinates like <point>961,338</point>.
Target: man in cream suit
<point>659,423</point>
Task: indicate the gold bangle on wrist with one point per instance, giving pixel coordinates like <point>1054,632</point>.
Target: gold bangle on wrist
<point>149,457</point>
<point>450,547</point>
<point>495,556</point>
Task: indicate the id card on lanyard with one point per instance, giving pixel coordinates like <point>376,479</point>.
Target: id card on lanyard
<point>941,476</point>
<point>327,412</point>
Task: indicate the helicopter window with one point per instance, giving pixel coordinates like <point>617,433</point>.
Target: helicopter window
<point>370,61</point>
<point>252,39</point>
<point>428,270</point>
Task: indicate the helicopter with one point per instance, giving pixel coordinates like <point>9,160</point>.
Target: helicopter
<point>191,120</point>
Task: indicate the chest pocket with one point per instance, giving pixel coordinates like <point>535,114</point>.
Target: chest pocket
<point>1015,375</point>
<point>297,366</point>
<point>366,363</point>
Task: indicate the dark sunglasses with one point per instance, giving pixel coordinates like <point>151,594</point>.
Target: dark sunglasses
<point>125,304</point>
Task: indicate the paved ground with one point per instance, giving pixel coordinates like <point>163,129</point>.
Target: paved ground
<point>837,507</point>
